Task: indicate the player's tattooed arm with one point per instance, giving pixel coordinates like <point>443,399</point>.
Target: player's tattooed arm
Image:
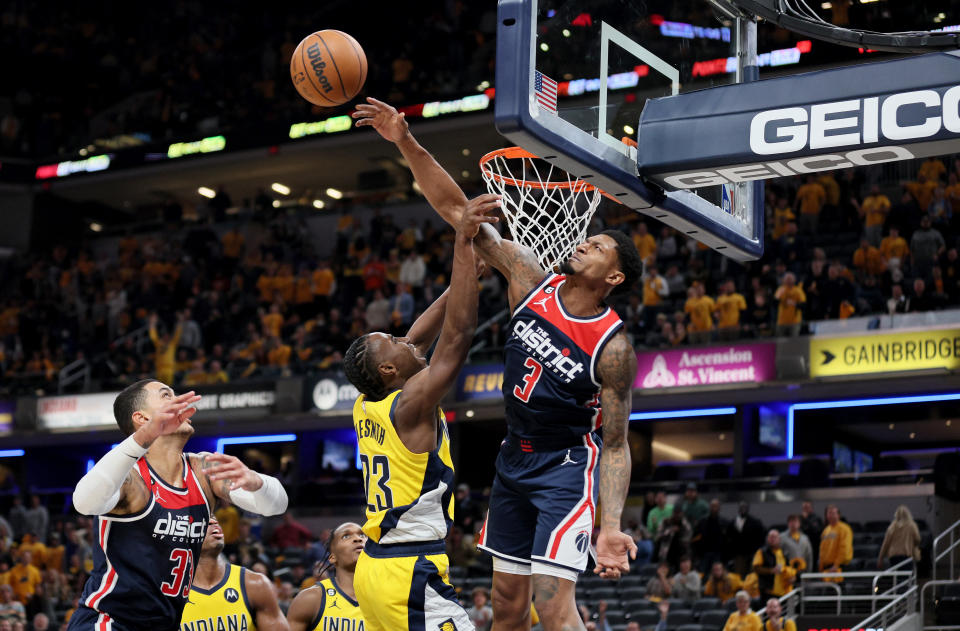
<point>201,465</point>
<point>263,600</point>
<point>516,262</point>
<point>617,369</point>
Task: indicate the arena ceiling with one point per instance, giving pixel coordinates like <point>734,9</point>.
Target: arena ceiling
<point>308,167</point>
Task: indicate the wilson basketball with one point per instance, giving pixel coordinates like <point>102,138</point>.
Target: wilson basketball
<point>328,68</point>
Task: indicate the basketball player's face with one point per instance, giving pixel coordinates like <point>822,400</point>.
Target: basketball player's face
<point>399,352</point>
<point>213,543</point>
<point>346,543</point>
<point>594,259</point>
<point>159,395</point>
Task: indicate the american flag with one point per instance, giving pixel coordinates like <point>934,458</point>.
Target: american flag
<point>546,91</point>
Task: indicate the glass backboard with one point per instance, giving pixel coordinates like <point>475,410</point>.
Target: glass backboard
<point>574,75</point>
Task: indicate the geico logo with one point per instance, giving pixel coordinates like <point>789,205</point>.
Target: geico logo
<point>807,164</point>
<point>179,528</point>
<point>866,121</point>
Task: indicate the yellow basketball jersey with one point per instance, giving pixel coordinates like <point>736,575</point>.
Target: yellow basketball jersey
<point>222,608</point>
<point>338,612</point>
<point>409,496</point>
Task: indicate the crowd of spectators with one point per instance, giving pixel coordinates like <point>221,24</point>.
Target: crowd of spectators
<point>183,70</point>
<point>186,69</point>
<point>226,301</point>
<point>688,552</point>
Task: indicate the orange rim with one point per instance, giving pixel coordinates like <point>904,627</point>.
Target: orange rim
<point>518,153</point>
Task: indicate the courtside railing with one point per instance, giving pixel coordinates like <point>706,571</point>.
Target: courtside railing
<point>944,547</point>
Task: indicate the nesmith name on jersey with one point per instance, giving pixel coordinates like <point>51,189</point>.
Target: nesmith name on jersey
<point>537,341</point>
<point>180,527</point>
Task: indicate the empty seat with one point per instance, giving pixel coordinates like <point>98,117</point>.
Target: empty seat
<point>639,604</point>
<point>876,526</point>
<point>645,618</point>
<point>616,616</point>
<point>632,593</point>
<point>604,593</point>
<point>706,604</point>
<point>866,551</point>
<point>632,581</point>
<point>677,617</point>
<point>713,620</point>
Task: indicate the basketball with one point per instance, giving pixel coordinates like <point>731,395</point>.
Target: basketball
<point>328,68</point>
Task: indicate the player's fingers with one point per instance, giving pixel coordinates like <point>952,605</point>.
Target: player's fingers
<point>380,104</point>
<point>186,396</point>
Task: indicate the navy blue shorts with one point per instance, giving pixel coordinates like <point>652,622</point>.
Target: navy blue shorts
<point>542,504</point>
<point>86,619</point>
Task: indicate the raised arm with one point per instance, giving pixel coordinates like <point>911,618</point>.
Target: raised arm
<point>617,369</point>
<point>425,329</point>
<point>517,263</point>
<point>227,478</point>
<point>112,486</point>
<point>417,404</point>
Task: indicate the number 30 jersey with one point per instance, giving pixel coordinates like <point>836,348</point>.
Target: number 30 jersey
<point>550,386</point>
<point>409,496</point>
<point>143,564</point>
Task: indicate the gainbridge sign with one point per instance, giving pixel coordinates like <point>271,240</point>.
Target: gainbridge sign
<point>887,352</point>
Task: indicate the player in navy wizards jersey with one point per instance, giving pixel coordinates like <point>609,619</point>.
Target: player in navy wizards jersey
<point>566,354</point>
<point>152,503</point>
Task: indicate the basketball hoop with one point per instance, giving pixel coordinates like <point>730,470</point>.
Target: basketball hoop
<point>547,209</point>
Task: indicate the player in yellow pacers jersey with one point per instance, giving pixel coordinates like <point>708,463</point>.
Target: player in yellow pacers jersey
<point>331,604</point>
<point>402,578</point>
<point>227,597</point>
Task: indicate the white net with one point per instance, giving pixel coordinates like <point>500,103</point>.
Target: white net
<point>547,209</point>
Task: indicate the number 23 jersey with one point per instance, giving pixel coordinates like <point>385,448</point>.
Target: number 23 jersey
<point>409,496</point>
<point>550,386</point>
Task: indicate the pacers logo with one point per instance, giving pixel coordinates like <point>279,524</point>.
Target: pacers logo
<point>447,625</point>
<point>231,595</point>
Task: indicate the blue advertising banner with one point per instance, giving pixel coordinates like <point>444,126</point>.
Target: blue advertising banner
<point>480,382</point>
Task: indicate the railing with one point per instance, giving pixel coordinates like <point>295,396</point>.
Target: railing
<point>859,594</point>
<point>923,606</point>
<point>73,372</point>
<point>788,604</point>
<point>497,317</point>
<point>951,535</point>
<point>902,606</point>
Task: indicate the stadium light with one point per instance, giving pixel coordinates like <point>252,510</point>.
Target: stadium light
<point>857,403</point>
<point>663,414</point>
<point>209,193</point>
<point>11,453</point>
<point>254,440</point>
<point>277,187</point>
<point>318,204</point>
<point>334,193</point>
<point>673,452</point>
<point>94,226</point>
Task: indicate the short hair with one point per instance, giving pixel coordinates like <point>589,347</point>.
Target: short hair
<point>793,516</point>
<point>630,262</point>
<point>361,369</point>
<point>130,400</point>
<point>742,595</point>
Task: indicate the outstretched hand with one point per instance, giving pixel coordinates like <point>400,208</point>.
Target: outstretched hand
<point>384,118</point>
<point>169,417</point>
<point>475,214</point>
<point>615,549</point>
<point>232,471</point>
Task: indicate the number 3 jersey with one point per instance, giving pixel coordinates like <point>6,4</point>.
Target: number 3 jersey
<point>550,386</point>
<point>143,564</point>
<point>409,496</point>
